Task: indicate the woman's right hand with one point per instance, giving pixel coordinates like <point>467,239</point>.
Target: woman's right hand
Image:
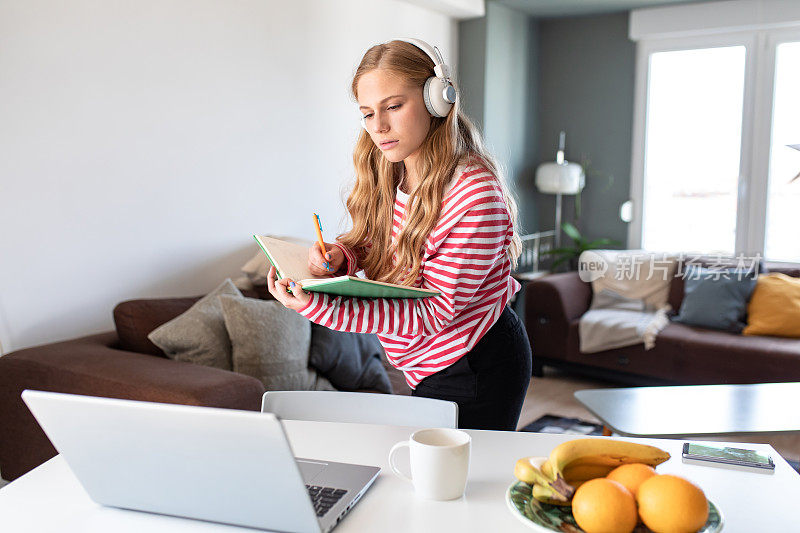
<point>316,261</point>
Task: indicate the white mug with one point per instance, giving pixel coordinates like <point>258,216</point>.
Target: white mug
<point>439,462</point>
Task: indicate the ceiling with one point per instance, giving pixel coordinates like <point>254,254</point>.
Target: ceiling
<point>568,8</point>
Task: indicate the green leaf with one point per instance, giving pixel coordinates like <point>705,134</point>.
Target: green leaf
<point>559,261</point>
<point>602,242</point>
<point>557,251</point>
<point>572,231</point>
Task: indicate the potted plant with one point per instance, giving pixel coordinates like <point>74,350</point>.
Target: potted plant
<point>570,254</point>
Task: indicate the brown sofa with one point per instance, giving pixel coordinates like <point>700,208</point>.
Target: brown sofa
<point>117,364</point>
<point>682,354</point>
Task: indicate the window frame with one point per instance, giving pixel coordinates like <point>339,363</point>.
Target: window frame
<point>757,108</point>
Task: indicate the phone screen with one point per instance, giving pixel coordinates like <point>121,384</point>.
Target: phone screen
<point>737,455</point>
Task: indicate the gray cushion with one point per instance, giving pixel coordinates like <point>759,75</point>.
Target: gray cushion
<point>199,335</point>
<point>716,299</point>
<point>351,361</point>
<point>271,343</point>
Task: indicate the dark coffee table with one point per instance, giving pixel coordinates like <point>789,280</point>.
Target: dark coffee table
<point>695,409</point>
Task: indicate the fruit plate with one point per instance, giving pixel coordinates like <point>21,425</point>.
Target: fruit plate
<point>545,517</point>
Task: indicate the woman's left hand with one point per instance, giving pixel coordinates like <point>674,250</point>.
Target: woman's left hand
<point>296,300</point>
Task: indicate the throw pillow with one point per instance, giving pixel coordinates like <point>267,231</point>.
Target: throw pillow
<point>199,335</point>
<point>351,361</point>
<point>774,308</point>
<point>633,275</point>
<point>271,343</point>
<point>716,299</point>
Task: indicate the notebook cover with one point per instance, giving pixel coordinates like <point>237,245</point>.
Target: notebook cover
<point>364,288</point>
<point>294,260</point>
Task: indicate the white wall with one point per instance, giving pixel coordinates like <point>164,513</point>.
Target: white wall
<point>142,143</point>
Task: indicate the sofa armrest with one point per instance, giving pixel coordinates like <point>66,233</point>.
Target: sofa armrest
<point>563,297</point>
<point>551,303</point>
<point>92,366</point>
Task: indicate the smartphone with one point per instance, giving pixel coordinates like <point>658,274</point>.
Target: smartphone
<point>727,455</point>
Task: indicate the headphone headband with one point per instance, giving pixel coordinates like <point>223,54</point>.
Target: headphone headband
<point>440,68</point>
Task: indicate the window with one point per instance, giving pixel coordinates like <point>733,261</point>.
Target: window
<point>783,197</point>
<point>693,140</point>
<point>715,109</point>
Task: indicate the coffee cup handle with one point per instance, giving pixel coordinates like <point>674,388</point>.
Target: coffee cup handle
<point>392,464</point>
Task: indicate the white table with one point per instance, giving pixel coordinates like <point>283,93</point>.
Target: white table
<point>49,498</point>
<point>693,411</point>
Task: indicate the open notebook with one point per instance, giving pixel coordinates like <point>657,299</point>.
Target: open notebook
<point>291,260</point>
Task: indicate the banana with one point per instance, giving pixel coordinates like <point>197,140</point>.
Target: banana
<point>584,472</point>
<point>528,469</point>
<point>555,478</point>
<point>587,454</point>
<point>546,494</point>
<point>547,469</point>
<point>577,472</point>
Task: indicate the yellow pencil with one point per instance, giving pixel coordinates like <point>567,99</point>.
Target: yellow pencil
<point>318,227</point>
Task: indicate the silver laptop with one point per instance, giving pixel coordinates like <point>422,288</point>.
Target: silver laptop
<point>221,465</point>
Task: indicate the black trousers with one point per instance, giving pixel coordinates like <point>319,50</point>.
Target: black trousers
<point>489,382</point>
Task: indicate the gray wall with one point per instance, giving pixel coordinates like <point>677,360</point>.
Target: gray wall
<point>586,77</point>
<point>472,67</point>
<point>509,113</point>
<point>544,75</point>
<point>497,74</point>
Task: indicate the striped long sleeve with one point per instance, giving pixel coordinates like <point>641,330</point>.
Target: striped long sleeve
<point>464,259</point>
<point>350,257</point>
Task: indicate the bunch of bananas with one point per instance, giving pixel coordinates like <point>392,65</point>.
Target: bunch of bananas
<point>554,479</point>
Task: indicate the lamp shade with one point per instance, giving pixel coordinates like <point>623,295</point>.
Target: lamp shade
<point>560,178</point>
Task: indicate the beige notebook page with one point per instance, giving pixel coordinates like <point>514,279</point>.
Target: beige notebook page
<point>292,259</point>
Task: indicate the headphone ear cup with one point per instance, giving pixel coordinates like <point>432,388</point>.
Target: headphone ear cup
<point>433,92</point>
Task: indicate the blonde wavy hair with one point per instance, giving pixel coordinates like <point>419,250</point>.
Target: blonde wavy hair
<point>371,201</point>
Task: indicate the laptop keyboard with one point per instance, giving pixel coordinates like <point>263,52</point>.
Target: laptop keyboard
<point>324,497</point>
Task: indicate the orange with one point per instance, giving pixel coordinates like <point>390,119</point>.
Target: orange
<point>601,505</point>
<point>672,504</point>
<point>632,475</point>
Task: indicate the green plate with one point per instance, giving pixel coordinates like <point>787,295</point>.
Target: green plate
<point>544,517</point>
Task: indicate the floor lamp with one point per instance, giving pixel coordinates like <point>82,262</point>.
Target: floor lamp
<point>559,178</point>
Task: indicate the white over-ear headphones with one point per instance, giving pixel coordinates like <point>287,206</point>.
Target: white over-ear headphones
<point>439,93</point>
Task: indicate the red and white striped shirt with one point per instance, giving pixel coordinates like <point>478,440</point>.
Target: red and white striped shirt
<point>464,259</point>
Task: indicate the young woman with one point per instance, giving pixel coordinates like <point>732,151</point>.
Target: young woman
<point>429,209</point>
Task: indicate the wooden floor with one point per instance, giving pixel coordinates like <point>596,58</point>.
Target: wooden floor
<point>553,395</point>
